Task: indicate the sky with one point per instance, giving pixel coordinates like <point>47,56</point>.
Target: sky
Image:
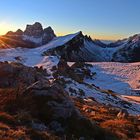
<point>101,19</point>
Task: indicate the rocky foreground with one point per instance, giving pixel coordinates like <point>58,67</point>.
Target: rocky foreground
<point>34,107</point>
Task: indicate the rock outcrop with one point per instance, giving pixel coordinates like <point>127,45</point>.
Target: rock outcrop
<point>54,98</point>
<point>51,105</point>
<point>16,74</point>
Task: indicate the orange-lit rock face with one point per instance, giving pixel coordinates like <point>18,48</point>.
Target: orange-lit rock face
<point>12,41</point>
<point>3,44</point>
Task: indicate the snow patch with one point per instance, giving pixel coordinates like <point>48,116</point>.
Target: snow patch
<point>32,39</point>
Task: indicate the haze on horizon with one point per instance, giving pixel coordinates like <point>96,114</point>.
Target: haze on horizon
<point>102,19</point>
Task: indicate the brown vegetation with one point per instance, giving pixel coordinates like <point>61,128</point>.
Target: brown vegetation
<point>106,117</point>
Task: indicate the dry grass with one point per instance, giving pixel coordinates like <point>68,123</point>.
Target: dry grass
<point>123,128</point>
<point>7,119</point>
<point>106,117</point>
<point>4,127</point>
<point>10,133</point>
<point>6,94</point>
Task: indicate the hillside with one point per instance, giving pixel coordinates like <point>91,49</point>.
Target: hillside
<point>67,87</point>
<point>34,105</point>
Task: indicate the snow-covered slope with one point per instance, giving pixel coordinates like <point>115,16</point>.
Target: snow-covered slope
<point>32,57</point>
<point>113,83</point>
<point>77,47</point>
<point>107,97</point>
<point>74,47</point>
<point>110,86</point>
<point>58,41</point>
<point>122,78</point>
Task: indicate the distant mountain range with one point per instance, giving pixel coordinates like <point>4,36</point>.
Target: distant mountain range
<point>76,48</point>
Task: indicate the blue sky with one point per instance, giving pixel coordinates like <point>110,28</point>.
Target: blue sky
<point>103,19</point>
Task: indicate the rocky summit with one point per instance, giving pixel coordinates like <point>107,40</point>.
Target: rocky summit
<point>34,30</point>
<point>35,33</point>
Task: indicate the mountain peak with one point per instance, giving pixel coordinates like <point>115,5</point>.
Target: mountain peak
<point>36,34</point>
<point>9,33</point>
<point>80,33</point>
<point>135,38</point>
<point>37,24</point>
<point>34,30</point>
<point>19,32</point>
<point>48,28</point>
